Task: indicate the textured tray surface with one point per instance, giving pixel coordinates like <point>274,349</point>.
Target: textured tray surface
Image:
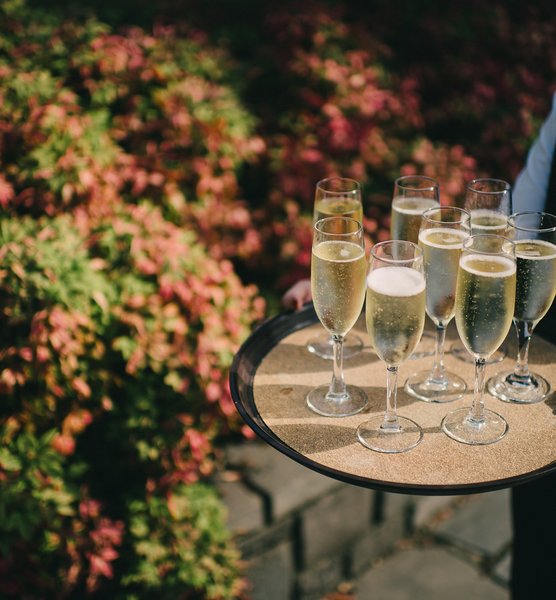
<point>280,372</point>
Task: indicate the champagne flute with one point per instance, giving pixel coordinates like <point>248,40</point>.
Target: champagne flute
<point>395,315</point>
<point>489,202</point>
<point>338,269</point>
<point>413,195</point>
<point>534,234</point>
<point>337,196</point>
<point>441,236</point>
<point>485,297</point>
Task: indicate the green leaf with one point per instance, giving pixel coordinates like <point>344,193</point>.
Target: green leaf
<point>8,461</point>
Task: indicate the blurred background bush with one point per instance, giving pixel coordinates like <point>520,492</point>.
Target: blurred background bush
<point>157,167</point>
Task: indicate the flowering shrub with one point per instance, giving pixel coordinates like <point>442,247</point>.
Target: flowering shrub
<point>372,91</point>
<point>346,114</point>
<point>113,370</point>
<point>119,327</point>
<point>124,116</point>
<point>142,171</point>
<point>484,73</point>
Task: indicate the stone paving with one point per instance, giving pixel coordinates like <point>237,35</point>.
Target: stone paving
<point>304,536</point>
<point>462,552</point>
<point>430,572</point>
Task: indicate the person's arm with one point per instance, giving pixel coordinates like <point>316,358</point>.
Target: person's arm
<point>531,185</point>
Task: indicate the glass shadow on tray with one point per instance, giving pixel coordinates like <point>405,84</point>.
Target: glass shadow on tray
<point>242,374</point>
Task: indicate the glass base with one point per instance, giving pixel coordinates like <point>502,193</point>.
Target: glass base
<point>321,402</point>
<point>459,425</point>
<point>420,385</point>
<point>461,352</point>
<point>374,435</point>
<point>323,346</point>
<point>510,388</point>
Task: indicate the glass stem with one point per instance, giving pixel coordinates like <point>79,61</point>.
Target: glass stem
<point>438,373</point>
<point>521,373</point>
<point>391,416</point>
<point>477,414</point>
<point>338,385</point>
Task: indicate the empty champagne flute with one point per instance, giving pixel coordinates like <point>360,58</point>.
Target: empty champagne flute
<point>395,316</point>
<point>338,270</point>
<point>441,236</point>
<point>534,234</point>
<point>341,197</point>
<point>489,201</point>
<point>413,195</point>
<point>485,297</point>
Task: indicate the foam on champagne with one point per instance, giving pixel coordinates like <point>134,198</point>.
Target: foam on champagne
<point>338,251</point>
<point>413,206</point>
<point>396,281</point>
<point>486,219</point>
<point>338,270</point>
<point>485,301</point>
<point>536,278</point>
<point>488,266</point>
<point>534,252</point>
<point>338,207</point>
<point>406,216</point>
<point>452,239</point>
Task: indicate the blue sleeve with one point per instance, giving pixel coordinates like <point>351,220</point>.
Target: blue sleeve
<point>531,185</point>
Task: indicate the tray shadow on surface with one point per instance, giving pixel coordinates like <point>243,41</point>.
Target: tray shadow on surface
<point>314,438</point>
<point>288,401</point>
<point>298,359</point>
<point>539,351</point>
<point>551,402</point>
<point>272,401</point>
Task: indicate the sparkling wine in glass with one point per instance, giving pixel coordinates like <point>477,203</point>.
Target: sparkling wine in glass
<point>534,234</point>
<point>442,233</point>
<point>485,298</point>
<point>338,270</point>
<point>341,197</point>
<point>489,202</point>
<point>413,195</point>
<point>395,316</point>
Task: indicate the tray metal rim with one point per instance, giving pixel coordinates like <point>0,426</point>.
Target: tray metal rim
<point>263,339</point>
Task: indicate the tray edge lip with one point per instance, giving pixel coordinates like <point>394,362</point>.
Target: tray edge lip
<point>304,317</point>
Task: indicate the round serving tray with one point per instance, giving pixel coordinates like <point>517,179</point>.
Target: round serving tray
<point>273,371</point>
